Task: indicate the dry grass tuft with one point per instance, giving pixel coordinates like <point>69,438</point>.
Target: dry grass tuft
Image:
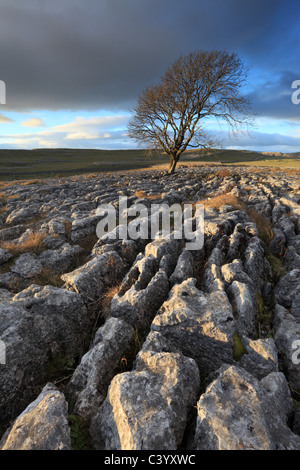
<point>223,173</point>
<point>291,171</point>
<point>223,199</point>
<point>48,277</point>
<point>3,197</point>
<point>68,229</point>
<point>264,226</point>
<point>143,195</point>
<point>88,243</point>
<point>32,244</point>
<point>28,182</point>
<point>3,200</point>
<point>106,300</point>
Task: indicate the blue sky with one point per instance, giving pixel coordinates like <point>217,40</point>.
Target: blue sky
<point>73,69</point>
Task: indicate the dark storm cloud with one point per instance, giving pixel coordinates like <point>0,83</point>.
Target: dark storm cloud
<point>95,54</point>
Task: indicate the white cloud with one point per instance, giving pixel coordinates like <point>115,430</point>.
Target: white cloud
<point>100,122</point>
<point>81,136</point>
<point>4,119</point>
<point>33,122</point>
<point>93,132</point>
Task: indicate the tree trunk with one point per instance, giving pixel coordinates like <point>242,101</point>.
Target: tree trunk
<point>173,163</point>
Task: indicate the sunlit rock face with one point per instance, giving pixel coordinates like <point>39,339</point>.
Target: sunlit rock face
<point>144,342</point>
<point>237,413</point>
<point>147,408</point>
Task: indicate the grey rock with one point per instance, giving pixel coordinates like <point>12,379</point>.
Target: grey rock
<point>287,340</point>
<point>13,282</point>
<point>162,246</point>
<point>141,294</point>
<point>234,272</point>
<point>36,325</point>
<point>200,325</point>
<point>89,383</point>
<point>239,412</point>
<point>62,259</point>
<point>43,425</point>
<point>126,249</point>
<point>156,342</point>
<point>5,295</point>
<point>296,422</point>
<point>244,308</point>
<point>147,408</point>
<point>27,266</point>
<point>4,256</point>
<point>261,358</point>
<point>295,242</point>
<point>57,226</point>
<point>41,326</point>
<point>287,288</point>
<point>18,216</point>
<point>253,265</point>
<point>83,227</point>
<point>286,224</point>
<point>277,212</point>
<point>237,241</point>
<point>184,268</point>
<point>292,259</point>
<point>9,233</point>
<point>278,242</point>
<point>212,277</point>
<point>295,309</point>
<point>90,279</point>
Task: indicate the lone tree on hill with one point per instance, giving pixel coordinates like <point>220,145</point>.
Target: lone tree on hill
<point>170,115</point>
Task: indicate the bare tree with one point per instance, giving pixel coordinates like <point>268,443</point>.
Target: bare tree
<point>201,85</point>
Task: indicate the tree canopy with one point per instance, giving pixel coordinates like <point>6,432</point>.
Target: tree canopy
<point>172,114</point>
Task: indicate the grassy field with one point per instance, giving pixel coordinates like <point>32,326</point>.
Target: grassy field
<point>247,157</point>
<point>44,163</point>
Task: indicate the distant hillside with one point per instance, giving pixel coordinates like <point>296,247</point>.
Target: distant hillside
<point>42,163</point>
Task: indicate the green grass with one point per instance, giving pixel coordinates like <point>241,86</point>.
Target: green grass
<point>80,437</point>
<point>45,163</point>
<point>277,267</point>
<point>238,348</point>
<point>245,157</point>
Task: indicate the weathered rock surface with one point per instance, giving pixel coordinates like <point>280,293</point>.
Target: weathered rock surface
<point>4,256</point>
<point>260,357</point>
<point>61,259</point>
<point>43,425</point>
<point>200,325</point>
<point>90,279</point>
<point>126,328</point>
<point>36,325</point>
<point>147,408</point>
<point>184,268</point>
<point>27,266</point>
<point>239,412</point>
<point>287,340</point>
<point>98,366</point>
<point>142,292</point>
<point>288,288</point>
<point>244,308</point>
